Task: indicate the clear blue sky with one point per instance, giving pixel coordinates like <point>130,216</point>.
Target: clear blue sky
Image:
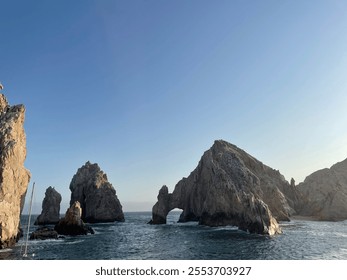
<point>143,88</point>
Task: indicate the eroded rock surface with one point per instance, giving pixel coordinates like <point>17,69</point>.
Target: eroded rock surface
<point>14,177</point>
<point>324,193</point>
<point>230,187</point>
<point>97,196</point>
<point>50,213</point>
<point>72,223</point>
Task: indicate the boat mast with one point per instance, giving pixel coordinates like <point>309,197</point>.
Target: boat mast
<point>27,239</point>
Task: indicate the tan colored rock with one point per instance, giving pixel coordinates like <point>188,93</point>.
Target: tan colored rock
<point>325,193</point>
<point>72,223</point>
<point>14,178</point>
<point>50,213</point>
<point>229,187</point>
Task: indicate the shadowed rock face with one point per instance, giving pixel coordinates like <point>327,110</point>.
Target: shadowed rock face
<point>72,223</point>
<point>229,187</point>
<point>14,178</point>
<point>50,208</point>
<point>97,196</point>
<point>324,193</point>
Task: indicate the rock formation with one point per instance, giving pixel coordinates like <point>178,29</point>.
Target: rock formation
<point>97,196</point>
<point>14,178</point>
<point>72,223</point>
<point>324,193</point>
<point>44,233</point>
<point>229,187</point>
<point>50,208</point>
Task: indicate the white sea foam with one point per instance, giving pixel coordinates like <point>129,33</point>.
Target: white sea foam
<point>5,250</point>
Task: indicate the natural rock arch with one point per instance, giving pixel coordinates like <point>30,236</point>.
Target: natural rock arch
<point>229,187</point>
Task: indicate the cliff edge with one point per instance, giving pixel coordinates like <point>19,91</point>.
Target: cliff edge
<point>14,178</point>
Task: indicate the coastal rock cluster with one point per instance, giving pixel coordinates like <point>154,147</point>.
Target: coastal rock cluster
<point>93,200</point>
<point>50,208</point>
<point>96,195</point>
<point>228,187</point>
<point>14,177</point>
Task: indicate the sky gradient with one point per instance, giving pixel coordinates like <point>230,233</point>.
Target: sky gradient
<point>143,88</point>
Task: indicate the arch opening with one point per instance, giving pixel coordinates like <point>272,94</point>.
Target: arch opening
<point>173,216</point>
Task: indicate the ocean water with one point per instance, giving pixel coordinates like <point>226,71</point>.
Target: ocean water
<point>137,240</point>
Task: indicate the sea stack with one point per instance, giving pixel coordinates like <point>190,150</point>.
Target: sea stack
<point>229,187</point>
<point>96,195</point>
<point>72,223</point>
<point>50,213</point>
<point>14,177</point>
<point>324,194</point>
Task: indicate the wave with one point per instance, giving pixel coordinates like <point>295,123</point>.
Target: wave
<point>6,250</point>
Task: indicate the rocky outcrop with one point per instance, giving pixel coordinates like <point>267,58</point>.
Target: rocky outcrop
<point>324,193</point>
<point>14,178</point>
<point>230,187</point>
<point>72,223</point>
<point>43,234</point>
<point>97,196</point>
<point>50,213</point>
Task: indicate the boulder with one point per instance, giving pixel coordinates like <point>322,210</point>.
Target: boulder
<point>324,194</point>
<point>14,177</point>
<point>50,213</point>
<point>229,187</point>
<point>72,223</point>
<point>43,234</point>
<point>97,196</point>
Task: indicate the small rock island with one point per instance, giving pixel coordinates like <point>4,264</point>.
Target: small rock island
<point>72,223</point>
<point>50,213</point>
<point>97,197</point>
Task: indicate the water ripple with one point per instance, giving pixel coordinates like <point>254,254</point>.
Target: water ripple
<point>135,239</point>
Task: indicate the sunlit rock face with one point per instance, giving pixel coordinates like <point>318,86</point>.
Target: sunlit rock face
<point>96,195</point>
<point>324,193</point>
<point>229,187</point>
<point>14,177</point>
<point>72,223</point>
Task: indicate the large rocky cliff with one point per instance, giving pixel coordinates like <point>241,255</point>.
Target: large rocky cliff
<point>96,195</point>
<point>324,193</point>
<point>14,178</point>
<point>230,187</point>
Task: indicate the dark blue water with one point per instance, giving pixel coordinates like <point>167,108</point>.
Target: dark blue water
<point>135,239</point>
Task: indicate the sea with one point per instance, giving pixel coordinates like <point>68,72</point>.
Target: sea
<point>135,239</point>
